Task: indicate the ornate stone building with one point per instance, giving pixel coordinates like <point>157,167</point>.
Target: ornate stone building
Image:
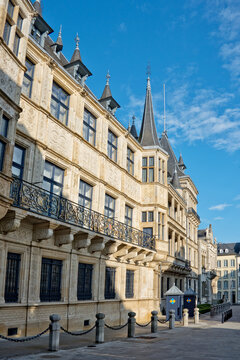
<point>98,219</point>
<point>207,266</point>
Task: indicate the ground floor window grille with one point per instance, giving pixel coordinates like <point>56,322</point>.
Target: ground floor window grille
<point>84,289</point>
<point>50,287</point>
<point>110,283</point>
<point>12,277</point>
<point>129,284</point>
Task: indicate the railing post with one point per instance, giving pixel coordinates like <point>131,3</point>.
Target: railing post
<point>171,319</point>
<point>54,333</point>
<point>131,324</point>
<point>154,321</point>
<point>185,317</point>
<point>100,328</point>
<point>196,315</point>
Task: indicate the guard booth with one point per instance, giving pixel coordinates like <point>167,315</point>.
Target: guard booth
<point>174,301</point>
<point>189,301</point>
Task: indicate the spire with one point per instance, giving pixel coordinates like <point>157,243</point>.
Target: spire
<point>148,133</point>
<point>181,164</point>
<point>106,92</point>
<point>59,42</point>
<point>133,129</point>
<point>38,7</point>
<point>76,55</point>
<point>175,180</point>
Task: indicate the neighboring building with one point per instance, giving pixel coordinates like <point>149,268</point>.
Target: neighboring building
<point>98,219</point>
<point>228,260</point>
<point>207,266</point>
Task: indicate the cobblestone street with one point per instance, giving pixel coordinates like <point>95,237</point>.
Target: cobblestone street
<point>209,340</point>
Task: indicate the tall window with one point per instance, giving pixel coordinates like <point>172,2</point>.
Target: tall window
<point>225,263</point>
<point>85,194</point>
<point>50,286</point>
<point>3,139</point>
<point>112,145</point>
<point>12,277</point>
<point>148,169</point>
<point>161,225</point>
<point>161,170</point>
<point>109,209</point>
<point>233,284</point>
<point>232,262</point>
<point>150,216</point>
<point>144,216</point>
<point>16,44</point>
<point>28,78</point>
<point>89,127</point>
<point>110,283</point>
<point>219,285</point>
<point>128,215</point>
<point>6,32</point>
<point>84,287</point>
<point>130,161</point>
<point>129,293</point>
<point>219,263</point>
<point>10,8</point>
<point>18,161</point>
<point>225,284</point>
<point>225,274</point>
<point>19,22</point>
<point>233,274</point>
<point>60,103</point>
<point>53,178</point>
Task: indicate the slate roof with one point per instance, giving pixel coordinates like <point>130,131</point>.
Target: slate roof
<point>189,291</point>
<point>174,290</point>
<point>148,133</point>
<point>232,249</point>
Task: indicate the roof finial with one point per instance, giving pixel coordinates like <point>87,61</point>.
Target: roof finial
<point>133,119</point>
<point>60,31</point>
<point>164,113</point>
<point>108,77</point>
<point>148,76</point>
<point>77,42</point>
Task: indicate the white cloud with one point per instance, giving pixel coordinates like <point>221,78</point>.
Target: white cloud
<point>218,218</point>
<point>122,27</point>
<point>237,197</point>
<point>219,207</point>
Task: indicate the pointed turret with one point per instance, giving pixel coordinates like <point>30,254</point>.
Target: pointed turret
<point>107,100</point>
<point>181,164</point>
<point>38,7</point>
<point>133,129</point>
<point>148,133</point>
<point>76,55</point>
<point>59,42</point>
<point>175,180</point>
<point>75,67</point>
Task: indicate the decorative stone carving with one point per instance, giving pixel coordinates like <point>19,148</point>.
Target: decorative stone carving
<point>97,244</point>
<point>82,241</point>
<point>63,236</point>
<point>11,222</point>
<point>111,247</point>
<point>43,231</point>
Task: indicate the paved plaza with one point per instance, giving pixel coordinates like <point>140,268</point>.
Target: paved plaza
<point>209,340</point>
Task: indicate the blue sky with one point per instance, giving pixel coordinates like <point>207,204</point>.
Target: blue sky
<point>193,47</point>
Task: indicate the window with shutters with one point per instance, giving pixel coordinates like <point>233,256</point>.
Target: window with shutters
<point>84,287</point>
<point>12,277</point>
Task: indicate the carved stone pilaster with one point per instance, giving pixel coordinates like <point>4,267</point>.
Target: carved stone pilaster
<point>11,222</point>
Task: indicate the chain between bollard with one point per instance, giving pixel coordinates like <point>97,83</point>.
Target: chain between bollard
<point>28,338</point>
<point>143,325</point>
<point>116,327</point>
<point>162,321</point>
<point>77,333</point>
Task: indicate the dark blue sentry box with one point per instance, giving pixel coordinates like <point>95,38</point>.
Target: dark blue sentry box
<point>189,301</point>
<point>174,301</point>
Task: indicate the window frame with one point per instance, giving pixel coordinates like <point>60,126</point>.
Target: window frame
<point>128,218</point>
<point>59,103</point>
<point>110,283</point>
<point>18,165</point>
<point>50,294</point>
<point>112,145</point>
<point>89,128</point>
<point>108,210</point>
<point>83,196</point>
<point>12,277</point>
<point>84,289</point>
<point>29,77</point>
<point>3,138</point>
<point>129,286</point>
<point>130,161</point>
<point>51,180</point>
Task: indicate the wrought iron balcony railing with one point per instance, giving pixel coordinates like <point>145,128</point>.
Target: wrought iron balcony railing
<point>192,211</point>
<point>37,200</point>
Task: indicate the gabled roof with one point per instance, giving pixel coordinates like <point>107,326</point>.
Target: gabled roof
<point>174,290</point>
<point>148,133</point>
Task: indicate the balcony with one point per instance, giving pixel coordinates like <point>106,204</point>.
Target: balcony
<point>191,211</point>
<point>36,200</point>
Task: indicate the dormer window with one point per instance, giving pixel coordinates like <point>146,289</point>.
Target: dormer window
<point>226,251</point>
<point>221,251</point>
<point>36,34</point>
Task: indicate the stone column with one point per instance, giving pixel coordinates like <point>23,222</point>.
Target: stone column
<point>54,332</point>
<point>185,317</point>
<point>131,324</point>
<point>100,328</point>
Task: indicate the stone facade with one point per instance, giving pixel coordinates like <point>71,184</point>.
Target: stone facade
<point>57,246</point>
<point>228,269</point>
